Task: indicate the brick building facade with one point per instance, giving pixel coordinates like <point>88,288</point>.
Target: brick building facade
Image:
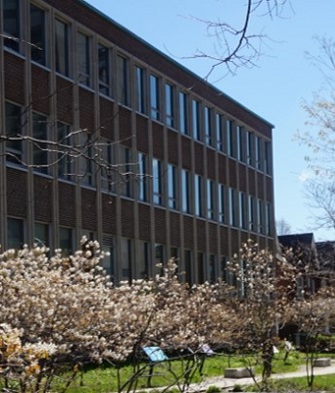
<point>197,165</point>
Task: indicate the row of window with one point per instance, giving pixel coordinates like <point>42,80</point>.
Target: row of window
<point>145,259</point>
<point>152,95</point>
<point>152,180</point>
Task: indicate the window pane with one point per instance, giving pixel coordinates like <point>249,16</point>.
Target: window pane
<point>122,80</point>
<point>37,35</point>
<point>157,181</point>
<point>208,126</point>
<point>41,237</point>
<point>11,23</point>
<point>140,90</point>
<point>126,168</point>
<point>232,214</point>
<point>251,213</point>
<point>83,57</point>
<point>40,147</point>
<point>15,233</point>
<point>198,195</point>
<point>104,76</point>
<point>142,178</point>
<point>242,209</point>
<point>154,97</point>
<point>183,113</point>
<point>13,130</point>
<point>196,120</point>
<point>64,159</point>
<point>230,138</point>
<point>169,102</point>
<point>62,47</point>
<point>221,203</point>
<point>210,199</point>
<point>172,192</point>
<point>185,190</point>
<point>219,132</point>
<point>66,240</point>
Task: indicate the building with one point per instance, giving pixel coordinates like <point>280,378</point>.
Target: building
<point>189,171</point>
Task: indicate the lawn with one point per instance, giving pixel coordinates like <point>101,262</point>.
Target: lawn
<point>105,378</point>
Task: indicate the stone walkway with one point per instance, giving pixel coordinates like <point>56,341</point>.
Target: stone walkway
<point>226,383</point>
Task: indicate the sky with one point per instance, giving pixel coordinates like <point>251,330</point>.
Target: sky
<point>274,89</point>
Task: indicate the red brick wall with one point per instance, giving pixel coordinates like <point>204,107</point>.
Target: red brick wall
<point>142,134</point>
<point>213,239</point>
<point>186,153</point>
<point>106,119</point>
<point>127,218</point>
<point>17,192</point>
<point>224,241</point>
<point>64,100</point>
<point>88,209</point>
<point>108,214</point>
<point>172,147</point>
<point>14,78</point>
<point>126,133</point>
<point>144,222</point>
<point>188,232</point>
<point>160,226</point>
<point>86,110</point>
<point>201,235</point>
<point>175,229</point>
<point>40,89</point>
<point>43,199</point>
<point>199,158</point>
<point>157,141</point>
<point>67,205</point>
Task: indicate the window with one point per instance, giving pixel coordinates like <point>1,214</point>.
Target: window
<point>260,216</point>
<point>221,203</point>
<point>242,211</point>
<point>40,147</point>
<point>188,266</point>
<point>154,97</point>
<point>174,253</point>
<point>268,220</point>
<point>83,58</point>
<point>66,240</point>
<point>185,191</point>
<point>219,132</point>
<point>196,120</point>
<point>144,260</point>
<point>14,149</point>
<point>106,153</point>
<point>198,195</point>
<point>64,143</point>
<point>212,269</point>
<point>230,138</point>
<point>140,89</point>
<point>208,126</point>
<point>224,271</point>
<point>41,235</point>
<point>251,214</point>
<point>62,47</point>
<point>232,214</point>
<point>37,35</point>
<point>159,253</point>
<point>210,200</point>
<point>87,160</point>
<point>240,143</point>
<point>172,186</point>
<point>157,172</point>
<point>250,148</point>
<point>183,123</point>
<point>169,105</point>
<point>267,158</point>
<point>104,71</point>
<point>201,272</point>
<point>126,186</point>
<point>143,177</point>
<point>11,24</point>
<point>108,260</point>
<point>122,80</point>
<point>15,230</point>
<point>126,259</point>
<point>258,152</point>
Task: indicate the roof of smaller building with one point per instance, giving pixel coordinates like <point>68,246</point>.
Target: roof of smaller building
<point>298,238</point>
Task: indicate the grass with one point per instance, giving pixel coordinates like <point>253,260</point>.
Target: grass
<point>321,383</point>
<point>104,378</point>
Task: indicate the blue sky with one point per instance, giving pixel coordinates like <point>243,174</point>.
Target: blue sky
<point>275,89</point>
